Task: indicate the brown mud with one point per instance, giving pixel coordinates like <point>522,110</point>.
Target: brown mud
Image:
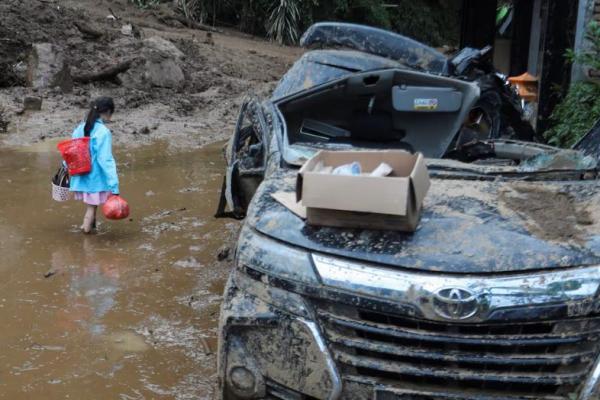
<point>129,313</point>
<point>219,72</point>
<point>547,212</point>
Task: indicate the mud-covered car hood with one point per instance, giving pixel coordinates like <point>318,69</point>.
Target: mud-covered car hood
<point>467,227</point>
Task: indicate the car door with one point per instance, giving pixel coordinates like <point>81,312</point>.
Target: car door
<point>246,157</point>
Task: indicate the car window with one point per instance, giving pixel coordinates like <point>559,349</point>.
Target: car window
<point>306,74</point>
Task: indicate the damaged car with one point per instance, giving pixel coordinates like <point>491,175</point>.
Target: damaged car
<point>494,296</point>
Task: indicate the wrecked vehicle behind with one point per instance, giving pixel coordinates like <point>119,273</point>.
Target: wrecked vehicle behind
<point>495,296</point>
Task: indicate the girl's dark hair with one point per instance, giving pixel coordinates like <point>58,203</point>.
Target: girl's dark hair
<point>101,105</point>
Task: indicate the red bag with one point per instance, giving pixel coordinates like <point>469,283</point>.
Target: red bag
<point>115,208</point>
<point>76,153</point>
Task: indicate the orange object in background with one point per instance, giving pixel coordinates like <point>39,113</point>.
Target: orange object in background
<point>115,208</point>
<point>527,86</point>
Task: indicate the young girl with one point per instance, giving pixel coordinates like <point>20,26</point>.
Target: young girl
<point>95,187</point>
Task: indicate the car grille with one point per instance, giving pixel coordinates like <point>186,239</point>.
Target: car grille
<point>275,391</point>
<point>537,360</point>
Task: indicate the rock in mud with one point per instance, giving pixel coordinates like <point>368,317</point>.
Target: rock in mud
<point>127,30</point>
<point>223,253</point>
<point>48,68</point>
<point>162,67</point>
<point>50,273</point>
<point>32,104</point>
<point>163,46</point>
<point>164,72</point>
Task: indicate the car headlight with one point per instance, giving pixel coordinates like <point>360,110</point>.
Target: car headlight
<point>268,338</point>
<point>282,300</point>
<point>273,258</point>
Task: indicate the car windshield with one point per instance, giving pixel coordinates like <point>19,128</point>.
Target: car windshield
<point>514,159</point>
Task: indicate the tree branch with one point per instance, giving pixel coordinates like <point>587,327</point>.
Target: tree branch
<point>106,74</point>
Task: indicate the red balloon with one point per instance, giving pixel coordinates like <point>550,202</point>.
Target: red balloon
<point>115,208</point>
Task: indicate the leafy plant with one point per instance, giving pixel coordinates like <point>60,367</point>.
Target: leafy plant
<point>575,115</point>
<point>580,109</point>
<point>283,23</point>
<point>198,10</point>
<point>145,3</point>
<point>590,57</point>
<point>435,22</point>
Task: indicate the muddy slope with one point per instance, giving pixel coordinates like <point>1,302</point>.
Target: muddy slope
<point>198,106</point>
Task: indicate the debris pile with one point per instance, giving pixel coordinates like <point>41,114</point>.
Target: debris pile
<point>67,56</point>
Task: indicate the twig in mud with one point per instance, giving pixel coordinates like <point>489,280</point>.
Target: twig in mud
<point>106,74</point>
<point>164,18</point>
<point>207,350</point>
<point>113,14</point>
<point>51,272</point>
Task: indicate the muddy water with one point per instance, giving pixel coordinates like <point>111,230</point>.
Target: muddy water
<point>129,313</point>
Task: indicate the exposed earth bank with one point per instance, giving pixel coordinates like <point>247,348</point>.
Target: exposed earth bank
<point>169,82</point>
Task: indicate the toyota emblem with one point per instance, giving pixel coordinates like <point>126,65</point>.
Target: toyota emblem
<point>455,303</point>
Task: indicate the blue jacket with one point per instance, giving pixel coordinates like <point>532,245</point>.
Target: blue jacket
<point>103,176</point>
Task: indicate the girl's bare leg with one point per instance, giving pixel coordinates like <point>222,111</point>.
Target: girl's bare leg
<point>89,219</point>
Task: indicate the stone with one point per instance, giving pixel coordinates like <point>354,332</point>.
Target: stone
<point>32,103</point>
<point>163,46</point>
<point>162,67</point>
<point>164,72</point>
<point>159,66</point>
<point>127,30</point>
<point>223,253</point>
<point>48,68</point>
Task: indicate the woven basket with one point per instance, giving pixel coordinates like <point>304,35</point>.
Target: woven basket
<point>60,193</point>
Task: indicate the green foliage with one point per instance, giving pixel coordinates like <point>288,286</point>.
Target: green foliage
<point>283,23</point>
<point>575,115</point>
<point>435,22</point>
<point>145,3</point>
<point>371,12</point>
<point>590,57</point>
<point>580,109</point>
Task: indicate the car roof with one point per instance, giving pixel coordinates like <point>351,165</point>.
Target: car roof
<point>375,41</point>
<point>317,67</point>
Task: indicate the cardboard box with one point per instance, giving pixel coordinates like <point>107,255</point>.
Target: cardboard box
<point>392,203</point>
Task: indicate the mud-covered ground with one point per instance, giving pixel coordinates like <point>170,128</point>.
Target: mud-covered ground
<point>219,71</point>
<point>129,313</point>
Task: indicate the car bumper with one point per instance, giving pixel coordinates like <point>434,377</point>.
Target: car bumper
<point>265,352</point>
<point>278,344</point>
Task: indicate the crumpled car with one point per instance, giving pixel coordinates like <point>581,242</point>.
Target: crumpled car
<point>494,296</point>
